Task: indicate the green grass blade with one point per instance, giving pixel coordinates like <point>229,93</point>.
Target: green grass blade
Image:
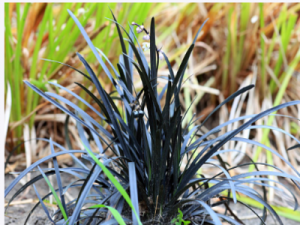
<point>8,54</point>
<point>17,72</point>
<point>63,14</point>
<point>277,101</point>
<point>54,195</point>
<point>30,97</point>
<point>263,49</point>
<point>226,59</point>
<point>114,212</point>
<point>114,181</point>
<point>282,211</point>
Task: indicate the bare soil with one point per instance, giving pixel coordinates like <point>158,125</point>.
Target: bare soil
<point>16,214</point>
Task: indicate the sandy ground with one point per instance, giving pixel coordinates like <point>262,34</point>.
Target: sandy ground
<point>16,214</point>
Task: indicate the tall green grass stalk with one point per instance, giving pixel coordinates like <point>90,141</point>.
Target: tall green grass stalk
<point>287,76</point>
<point>32,100</point>
<point>226,59</point>
<point>263,50</point>
<point>62,36</point>
<point>286,26</point>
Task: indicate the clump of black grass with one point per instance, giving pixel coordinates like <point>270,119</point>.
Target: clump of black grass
<point>149,144</point>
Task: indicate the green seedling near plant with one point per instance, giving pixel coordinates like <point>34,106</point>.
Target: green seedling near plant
<point>179,219</point>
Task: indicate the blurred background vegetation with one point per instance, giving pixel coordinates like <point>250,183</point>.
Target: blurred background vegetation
<point>241,43</point>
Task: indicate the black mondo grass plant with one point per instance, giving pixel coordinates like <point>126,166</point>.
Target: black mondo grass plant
<point>143,183</point>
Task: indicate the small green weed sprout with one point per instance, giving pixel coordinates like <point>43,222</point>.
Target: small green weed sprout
<point>179,219</point>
